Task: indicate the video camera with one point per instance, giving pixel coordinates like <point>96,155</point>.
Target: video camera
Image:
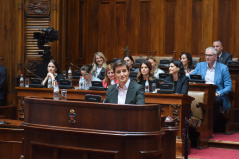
<point>47,35</point>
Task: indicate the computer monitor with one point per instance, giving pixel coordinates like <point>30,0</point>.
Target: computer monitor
<point>163,75</point>
<point>195,78</point>
<point>97,85</point>
<point>36,83</point>
<point>76,74</point>
<point>65,84</point>
<point>166,88</point>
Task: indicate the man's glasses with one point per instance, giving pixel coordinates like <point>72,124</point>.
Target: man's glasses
<point>209,55</point>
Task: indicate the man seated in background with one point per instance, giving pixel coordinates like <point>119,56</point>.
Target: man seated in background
<point>217,74</point>
<point>222,56</point>
<point>87,75</point>
<point>125,91</point>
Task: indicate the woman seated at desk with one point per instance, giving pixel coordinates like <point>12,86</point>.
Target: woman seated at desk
<point>145,73</point>
<point>87,75</point>
<point>177,77</point>
<point>155,68</point>
<point>109,77</point>
<point>99,65</point>
<point>187,61</point>
<point>129,59</point>
<point>53,73</point>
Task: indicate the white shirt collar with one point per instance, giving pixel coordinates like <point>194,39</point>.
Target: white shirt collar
<point>126,86</point>
<point>213,67</point>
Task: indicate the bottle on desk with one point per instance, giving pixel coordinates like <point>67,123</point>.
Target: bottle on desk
<point>49,82</point>
<point>21,81</point>
<point>69,73</point>
<point>56,91</point>
<point>147,86</point>
<point>81,83</point>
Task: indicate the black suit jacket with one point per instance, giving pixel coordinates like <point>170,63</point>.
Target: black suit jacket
<point>3,79</point>
<point>225,57</point>
<point>101,74</point>
<point>182,84</point>
<point>135,94</point>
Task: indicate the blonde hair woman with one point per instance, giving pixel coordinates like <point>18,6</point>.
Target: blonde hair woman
<point>99,65</point>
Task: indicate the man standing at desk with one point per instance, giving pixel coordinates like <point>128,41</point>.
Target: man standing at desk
<point>217,74</point>
<point>125,91</point>
<point>222,56</point>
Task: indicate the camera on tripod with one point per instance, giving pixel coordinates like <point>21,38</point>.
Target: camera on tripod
<point>47,35</point>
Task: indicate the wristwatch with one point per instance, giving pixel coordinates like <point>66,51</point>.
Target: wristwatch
<point>217,94</point>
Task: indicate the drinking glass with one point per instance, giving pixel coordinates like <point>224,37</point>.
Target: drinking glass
<point>153,87</point>
<point>26,82</point>
<point>64,94</point>
<point>64,73</point>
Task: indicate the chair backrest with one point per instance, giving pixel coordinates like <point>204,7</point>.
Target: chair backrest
<point>235,59</point>
<point>199,97</point>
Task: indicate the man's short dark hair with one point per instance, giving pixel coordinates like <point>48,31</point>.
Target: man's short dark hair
<point>218,41</point>
<point>86,68</point>
<point>121,62</point>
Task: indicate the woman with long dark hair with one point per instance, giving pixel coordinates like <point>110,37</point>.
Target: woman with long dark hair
<point>53,73</point>
<point>145,73</point>
<point>178,77</point>
<point>187,61</point>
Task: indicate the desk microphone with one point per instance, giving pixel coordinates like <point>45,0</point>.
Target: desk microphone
<point>142,57</point>
<point>75,66</point>
<point>116,88</point>
<point>34,74</point>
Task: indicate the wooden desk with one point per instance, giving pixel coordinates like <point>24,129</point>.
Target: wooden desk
<point>100,130</point>
<point>176,105</point>
<point>233,122</point>
<point>207,123</point>
<point>179,104</point>
<point>11,139</point>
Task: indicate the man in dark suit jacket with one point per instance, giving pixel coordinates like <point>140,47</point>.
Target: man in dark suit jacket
<point>222,56</point>
<point>126,91</point>
<point>3,79</point>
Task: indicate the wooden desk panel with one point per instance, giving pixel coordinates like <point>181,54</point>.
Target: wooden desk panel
<point>176,105</point>
<point>233,122</point>
<point>101,130</point>
<point>11,139</point>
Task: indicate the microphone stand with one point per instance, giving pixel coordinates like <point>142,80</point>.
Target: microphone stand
<point>75,66</point>
<point>34,74</point>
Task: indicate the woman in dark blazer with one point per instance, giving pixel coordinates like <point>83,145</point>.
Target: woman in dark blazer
<point>145,72</point>
<point>177,76</point>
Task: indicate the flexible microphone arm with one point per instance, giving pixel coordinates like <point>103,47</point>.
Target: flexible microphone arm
<point>75,66</point>
<point>111,93</point>
<point>34,74</point>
